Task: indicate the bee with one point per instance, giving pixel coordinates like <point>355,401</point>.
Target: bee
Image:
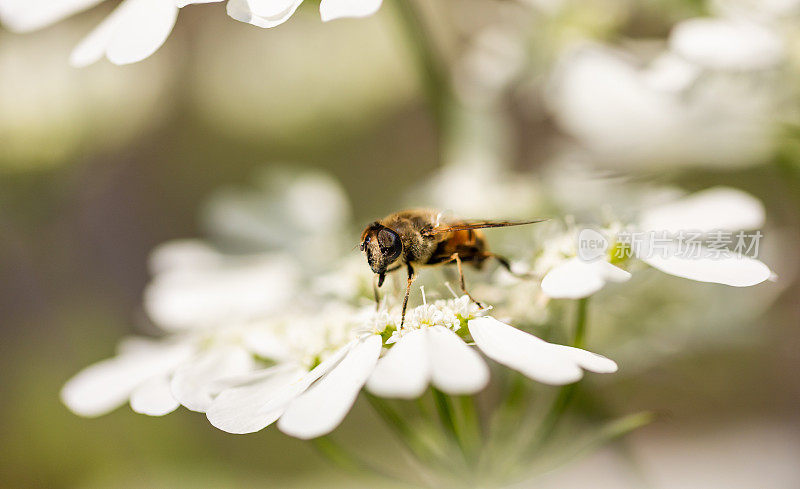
<point>423,237</point>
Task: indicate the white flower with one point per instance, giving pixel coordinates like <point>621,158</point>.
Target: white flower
<point>131,33</point>
<point>703,212</point>
<point>157,376</point>
<point>305,214</point>
<point>427,350</point>
<point>270,13</point>
<point>432,353</point>
<point>725,44</point>
<point>285,394</point>
<point>137,28</point>
<point>334,349</point>
<point>310,403</point>
<point>212,304</point>
<point>535,358</point>
<point>29,15</point>
<point>194,285</point>
<point>657,114</point>
<point>575,278</point>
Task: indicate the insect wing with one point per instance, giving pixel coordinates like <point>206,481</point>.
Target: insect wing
<point>466,225</point>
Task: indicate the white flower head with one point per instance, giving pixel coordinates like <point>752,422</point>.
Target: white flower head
<point>433,353</point>
<point>271,13</point>
<point>138,28</point>
<point>195,286</point>
<point>577,275</point>
<point>630,113</point>
<point>156,376</point>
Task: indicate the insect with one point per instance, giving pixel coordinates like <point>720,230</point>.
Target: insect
<point>423,237</point>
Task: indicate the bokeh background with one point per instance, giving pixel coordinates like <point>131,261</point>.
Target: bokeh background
<point>99,165</point>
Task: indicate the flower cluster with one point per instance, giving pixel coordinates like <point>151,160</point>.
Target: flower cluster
<point>270,337</point>
<point>137,28</point>
<point>305,370</point>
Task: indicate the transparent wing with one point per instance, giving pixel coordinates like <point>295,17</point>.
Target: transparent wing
<point>465,225</point>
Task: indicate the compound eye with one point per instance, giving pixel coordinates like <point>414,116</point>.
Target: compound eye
<point>389,242</point>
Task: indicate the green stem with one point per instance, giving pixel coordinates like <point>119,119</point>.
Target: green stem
<point>446,415</point>
<point>581,317</point>
<point>431,65</point>
<point>567,392</point>
<point>342,458</point>
<point>472,434</point>
<point>404,432</point>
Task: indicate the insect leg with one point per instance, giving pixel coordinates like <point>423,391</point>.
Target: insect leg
<point>506,264</point>
<point>411,278</point>
<point>457,259</point>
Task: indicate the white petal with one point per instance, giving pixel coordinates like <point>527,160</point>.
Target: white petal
<point>183,3</point>
<point>588,360</point>
<point>726,44</point>
<point>718,208</point>
<point>106,385</point>
<point>94,45</point>
<point>734,270</point>
<point>455,367</point>
<point>610,272</point>
<point>524,352</point>
<point>272,8</point>
<point>404,371</point>
<point>336,9</point>
<point>182,254</point>
<point>242,409</point>
<point>253,407</point>
<point>575,278</point>
<point>233,289</point>
<point>142,29</point>
<point>268,344</point>
<point>241,11</point>
<point>195,383</point>
<point>28,15</point>
<point>154,397</point>
<point>320,410</point>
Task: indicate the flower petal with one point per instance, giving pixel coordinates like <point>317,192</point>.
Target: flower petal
<point>718,208</point>
<point>320,410</point>
<point>727,44</point>
<point>575,278</point>
<point>154,397</point>
<point>182,254</point>
<point>588,360</point>
<point>233,289</point>
<point>253,407</point>
<point>241,11</point>
<point>336,9</point>
<point>142,29</point>
<point>194,383</point>
<point>101,387</point>
<point>133,31</point>
<point>731,269</point>
<point>271,9</point>
<point>183,3</point>
<point>241,409</point>
<point>404,371</point>
<point>524,352</point>
<point>29,15</point>
<point>456,368</point>
<point>94,45</point>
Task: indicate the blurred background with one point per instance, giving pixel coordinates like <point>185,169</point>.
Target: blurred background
<point>99,165</point>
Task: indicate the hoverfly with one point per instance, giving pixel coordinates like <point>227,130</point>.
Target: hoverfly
<point>423,237</point>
